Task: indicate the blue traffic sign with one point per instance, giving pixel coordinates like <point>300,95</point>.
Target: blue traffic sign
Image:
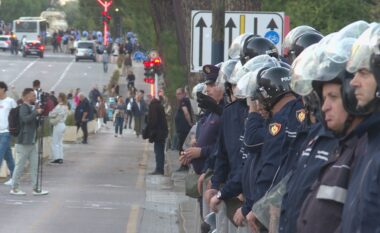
<point>272,36</point>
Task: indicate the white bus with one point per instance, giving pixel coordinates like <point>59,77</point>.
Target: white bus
<point>31,27</point>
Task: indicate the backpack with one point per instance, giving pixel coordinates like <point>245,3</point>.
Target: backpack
<point>14,121</point>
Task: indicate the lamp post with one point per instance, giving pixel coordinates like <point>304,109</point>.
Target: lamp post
<point>106,6</point>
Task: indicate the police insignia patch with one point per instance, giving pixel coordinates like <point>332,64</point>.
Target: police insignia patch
<point>301,115</point>
<point>274,128</point>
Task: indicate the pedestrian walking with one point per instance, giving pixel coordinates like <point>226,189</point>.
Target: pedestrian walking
<point>101,111</point>
<point>57,119</point>
<point>138,111</point>
<point>105,60</point>
<point>6,104</point>
<point>119,115</point>
<point>81,116</point>
<point>129,116</point>
<point>158,132</point>
<point>26,148</point>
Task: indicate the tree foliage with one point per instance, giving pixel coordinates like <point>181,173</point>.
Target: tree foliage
<point>13,9</point>
<point>325,15</point>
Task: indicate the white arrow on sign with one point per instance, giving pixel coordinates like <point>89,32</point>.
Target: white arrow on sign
<point>201,39</point>
<point>266,24</point>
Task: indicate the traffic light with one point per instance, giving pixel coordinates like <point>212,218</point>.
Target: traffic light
<point>106,17</point>
<point>149,69</point>
<point>157,63</point>
<point>149,80</point>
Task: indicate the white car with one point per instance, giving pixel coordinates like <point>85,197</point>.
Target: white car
<point>5,42</point>
<point>85,50</point>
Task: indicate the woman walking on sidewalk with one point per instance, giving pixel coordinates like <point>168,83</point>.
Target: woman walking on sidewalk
<point>157,130</point>
<point>57,118</point>
<point>119,116</point>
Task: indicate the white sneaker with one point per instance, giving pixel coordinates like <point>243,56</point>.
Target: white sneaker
<point>40,193</point>
<point>17,192</point>
<point>9,182</point>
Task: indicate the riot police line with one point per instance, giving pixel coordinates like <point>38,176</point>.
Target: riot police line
<point>293,145</point>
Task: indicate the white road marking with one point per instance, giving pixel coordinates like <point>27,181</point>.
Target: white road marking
<point>62,76</point>
<point>22,72</point>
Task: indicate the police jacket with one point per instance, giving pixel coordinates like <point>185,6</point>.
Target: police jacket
<point>228,159</point>
<point>253,141</point>
<point>207,134</point>
<point>320,144</point>
<point>281,130</point>
<point>361,211</point>
<point>322,208</point>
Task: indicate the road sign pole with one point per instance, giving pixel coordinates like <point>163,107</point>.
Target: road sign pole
<point>156,85</point>
<point>105,5</point>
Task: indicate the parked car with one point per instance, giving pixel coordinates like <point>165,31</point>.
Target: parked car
<point>5,42</point>
<point>85,50</point>
<point>33,47</point>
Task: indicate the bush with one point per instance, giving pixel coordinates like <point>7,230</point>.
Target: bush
<point>114,80</point>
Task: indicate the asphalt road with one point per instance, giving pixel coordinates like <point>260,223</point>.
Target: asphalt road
<point>57,72</point>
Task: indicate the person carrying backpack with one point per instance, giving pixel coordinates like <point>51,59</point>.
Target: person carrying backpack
<point>6,104</point>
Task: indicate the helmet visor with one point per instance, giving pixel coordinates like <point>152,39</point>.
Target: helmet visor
<point>362,49</point>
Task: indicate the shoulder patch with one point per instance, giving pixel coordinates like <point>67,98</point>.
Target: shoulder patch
<point>274,128</point>
<point>301,115</point>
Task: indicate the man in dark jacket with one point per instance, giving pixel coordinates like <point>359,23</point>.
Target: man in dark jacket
<point>26,148</point>
<point>81,116</point>
<point>157,129</point>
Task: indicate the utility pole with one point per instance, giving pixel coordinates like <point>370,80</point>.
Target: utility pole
<point>218,8</point>
<point>106,6</point>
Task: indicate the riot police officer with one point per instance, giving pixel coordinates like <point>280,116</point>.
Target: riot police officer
<point>321,210</point>
<point>362,208</point>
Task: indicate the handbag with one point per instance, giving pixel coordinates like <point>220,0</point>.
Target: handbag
<point>54,120</point>
<point>191,184</point>
<point>145,132</point>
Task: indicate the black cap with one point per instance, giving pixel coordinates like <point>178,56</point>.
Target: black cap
<point>211,73</point>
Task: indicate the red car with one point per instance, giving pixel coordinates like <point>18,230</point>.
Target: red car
<point>33,48</point>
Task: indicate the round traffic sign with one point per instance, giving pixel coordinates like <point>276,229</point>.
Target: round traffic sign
<point>273,36</point>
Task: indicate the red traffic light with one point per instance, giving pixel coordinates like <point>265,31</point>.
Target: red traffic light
<point>149,80</point>
<point>148,64</point>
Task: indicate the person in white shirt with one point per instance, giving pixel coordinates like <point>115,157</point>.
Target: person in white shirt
<point>6,104</point>
<point>57,118</point>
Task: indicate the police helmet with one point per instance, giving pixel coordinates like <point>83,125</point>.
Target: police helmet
<point>272,85</point>
<point>225,71</point>
<point>254,46</point>
<point>366,53</point>
<point>301,43</point>
<point>237,44</point>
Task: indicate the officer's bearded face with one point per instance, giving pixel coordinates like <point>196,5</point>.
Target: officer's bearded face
<point>365,87</point>
<point>334,113</point>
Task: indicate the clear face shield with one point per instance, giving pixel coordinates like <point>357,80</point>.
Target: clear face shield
<point>237,43</point>
<point>364,46</point>
<point>293,35</point>
<point>225,72</point>
<point>325,60</point>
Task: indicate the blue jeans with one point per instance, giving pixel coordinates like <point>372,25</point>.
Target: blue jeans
<point>6,152</point>
<point>159,151</point>
<point>119,125</point>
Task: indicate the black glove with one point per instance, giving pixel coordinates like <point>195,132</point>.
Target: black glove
<point>208,103</point>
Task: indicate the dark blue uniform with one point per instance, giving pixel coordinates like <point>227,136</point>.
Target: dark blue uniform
<point>281,131</point>
<point>207,134</point>
<point>228,161</point>
<point>253,140</point>
<point>322,209</point>
<point>361,213</point>
<point>320,144</point>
